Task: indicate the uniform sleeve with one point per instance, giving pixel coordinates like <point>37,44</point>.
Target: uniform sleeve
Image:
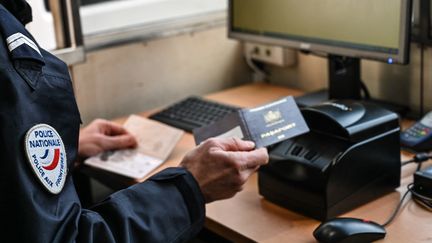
<point>169,207</point>
<point>39,203</point>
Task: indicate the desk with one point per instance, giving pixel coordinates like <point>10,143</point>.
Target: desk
<point>248,217</point>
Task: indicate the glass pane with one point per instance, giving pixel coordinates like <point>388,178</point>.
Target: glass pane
<point>430,20</point>
<point>415,18</point>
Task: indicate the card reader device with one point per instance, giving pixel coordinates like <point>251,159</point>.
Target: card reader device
<point>418,137</point>
<point>350,157</point>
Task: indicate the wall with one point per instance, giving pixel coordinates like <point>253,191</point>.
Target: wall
<point>132,78</point>
<point>118,81</point>
<point>396,83</point>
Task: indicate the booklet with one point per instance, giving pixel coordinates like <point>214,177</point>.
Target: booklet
<point>155,143</point>
<point>265,125</point>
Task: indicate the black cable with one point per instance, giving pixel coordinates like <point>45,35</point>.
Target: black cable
<point>419,165</point>
<point>424,201</point>
<point>395,212</point>
<point>315,53</point>
<point>426,204</point>
<point>408,162</point>
<point>418,158</point>
<point>365,90</point>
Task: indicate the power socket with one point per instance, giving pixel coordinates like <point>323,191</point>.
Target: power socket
<point>275,55</point>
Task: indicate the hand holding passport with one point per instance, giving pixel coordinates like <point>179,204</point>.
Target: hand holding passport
<point>265,125</point>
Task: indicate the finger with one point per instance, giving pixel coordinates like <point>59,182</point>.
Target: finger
<point>236,144</point>
<point>118,142</point>
<point>251,160</point>
<point>112,128</point>
<point>256,168</point>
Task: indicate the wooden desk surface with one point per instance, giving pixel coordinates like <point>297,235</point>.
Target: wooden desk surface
<point>248,217</point>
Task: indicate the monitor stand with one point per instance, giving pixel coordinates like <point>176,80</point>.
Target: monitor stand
<point>345,83</point>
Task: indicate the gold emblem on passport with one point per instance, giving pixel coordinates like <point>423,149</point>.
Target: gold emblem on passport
<point>273,117</point>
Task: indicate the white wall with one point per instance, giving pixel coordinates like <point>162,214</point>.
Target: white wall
<point>128,79</point>
<point>132,78</point>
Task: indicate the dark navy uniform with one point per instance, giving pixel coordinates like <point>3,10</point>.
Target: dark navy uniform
<point>35,88</point>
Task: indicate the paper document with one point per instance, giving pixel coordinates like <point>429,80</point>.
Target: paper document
<point>155,143</point>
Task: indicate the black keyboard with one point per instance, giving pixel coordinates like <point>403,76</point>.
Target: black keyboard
<point>193,112</point>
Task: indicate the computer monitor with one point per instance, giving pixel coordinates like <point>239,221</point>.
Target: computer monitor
<point>345,30</point>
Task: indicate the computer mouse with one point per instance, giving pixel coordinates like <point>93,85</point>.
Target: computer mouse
<point>349,230</point>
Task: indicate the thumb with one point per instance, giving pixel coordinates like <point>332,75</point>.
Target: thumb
<point>236,144</point>
<point>119,142</point>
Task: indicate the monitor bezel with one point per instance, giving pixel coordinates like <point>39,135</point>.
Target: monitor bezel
<point>402,57</point>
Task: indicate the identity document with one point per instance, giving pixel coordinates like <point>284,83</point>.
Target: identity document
<point>265,125</point>
<point>155,143</point>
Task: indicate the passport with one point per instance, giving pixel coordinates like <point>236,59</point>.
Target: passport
<point>155,143</point>
<point>265,125</point>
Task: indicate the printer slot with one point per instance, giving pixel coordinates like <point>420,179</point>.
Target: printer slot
<point>310,155</point>
<point>296,150</point>
<point>301,151</point>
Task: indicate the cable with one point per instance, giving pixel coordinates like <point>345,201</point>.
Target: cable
<point>424,201</point>
<point>418,158</point>
<point>258,74</point>
<point>395,212</point>
<point>425,204</point>
<point>419,165</point>
<point>365,90</point>
<point>408,162</point>
<point>315,53</point>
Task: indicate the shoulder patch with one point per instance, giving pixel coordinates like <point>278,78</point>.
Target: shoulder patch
<point>16,40</point>
<point>46,155</point>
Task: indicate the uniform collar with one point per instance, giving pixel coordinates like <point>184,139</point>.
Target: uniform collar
<point>17,39</point>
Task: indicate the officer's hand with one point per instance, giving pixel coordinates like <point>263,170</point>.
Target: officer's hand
<point>102,135</point>
<point>222,166</point>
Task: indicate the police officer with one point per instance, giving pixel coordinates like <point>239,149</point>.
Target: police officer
<point>39,128</point>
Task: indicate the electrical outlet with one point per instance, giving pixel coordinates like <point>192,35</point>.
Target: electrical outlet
<point>275,55</point>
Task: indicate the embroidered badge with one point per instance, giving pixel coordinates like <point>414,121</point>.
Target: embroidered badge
<point>47,156</point>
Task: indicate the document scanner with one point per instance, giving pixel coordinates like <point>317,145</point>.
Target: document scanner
<point>350,157</point>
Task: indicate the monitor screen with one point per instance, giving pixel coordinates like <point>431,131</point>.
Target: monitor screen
<point>372,29</point>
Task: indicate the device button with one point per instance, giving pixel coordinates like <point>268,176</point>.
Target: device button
<point>296,150</point>
<point>310,155</point>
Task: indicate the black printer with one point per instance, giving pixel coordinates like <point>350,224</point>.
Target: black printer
<point>350,157</point>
